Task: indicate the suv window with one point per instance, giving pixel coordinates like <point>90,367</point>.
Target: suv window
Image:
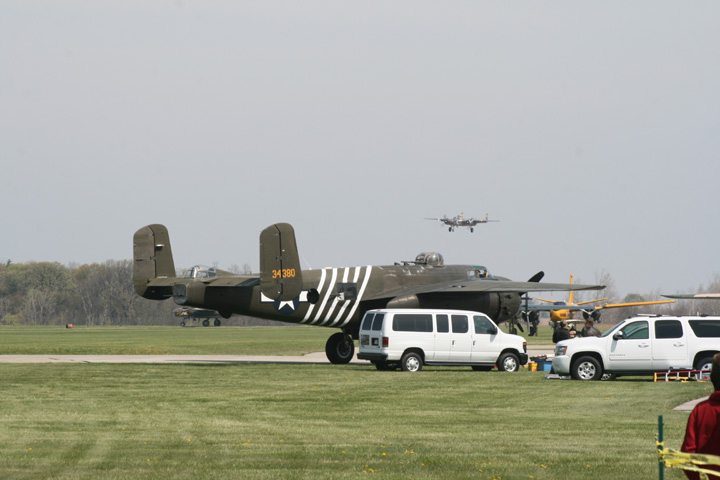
<point>668,329</point>
<point>378,321</point>
<point>483,325</point>
<point>636,330</point>
<point>443,324</point>
<point>412,322</point>
<point>459,323</point>
<point>705,328</point>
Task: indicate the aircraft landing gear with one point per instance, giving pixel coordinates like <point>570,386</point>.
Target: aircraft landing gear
<point>217,322</point>
<point>340,348</point>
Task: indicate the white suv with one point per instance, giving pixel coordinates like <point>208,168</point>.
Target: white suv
<point>641,345</point>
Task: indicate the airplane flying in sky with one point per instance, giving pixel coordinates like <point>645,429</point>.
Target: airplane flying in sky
<point>330,297</point>
<point>461,221</point>
<point>565,311</point>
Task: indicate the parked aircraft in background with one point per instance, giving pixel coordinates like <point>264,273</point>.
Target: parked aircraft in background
<point>565,311</point>
<point>190,314</point>
<point>461,221</point>
<point>330,297</point>
<point>698,296</point>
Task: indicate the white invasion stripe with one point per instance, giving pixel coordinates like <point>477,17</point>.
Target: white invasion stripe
<point>319,288</point>
<point>327,296</point>
<point>347,302</point>
<point>360,294</point>
<point>328,315</point>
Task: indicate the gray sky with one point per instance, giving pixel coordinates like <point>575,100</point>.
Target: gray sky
<point>590,129</point>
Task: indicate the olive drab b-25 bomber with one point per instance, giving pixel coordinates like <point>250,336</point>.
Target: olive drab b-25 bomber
<point>330,297</point>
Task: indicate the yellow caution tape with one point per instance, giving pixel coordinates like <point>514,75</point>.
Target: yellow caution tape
<point>688,461</point>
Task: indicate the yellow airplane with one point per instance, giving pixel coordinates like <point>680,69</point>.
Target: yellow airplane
<point>565,311</point>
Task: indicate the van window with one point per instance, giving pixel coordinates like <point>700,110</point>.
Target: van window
<point>459,323</point>
<point>412,322</point>
<point>443,324</point>
<point>483,325</point>
<point>367,321</point>
<point>378,321</point>
<point>636,331</point>
<point>668,329</point>
<point>705,328</point>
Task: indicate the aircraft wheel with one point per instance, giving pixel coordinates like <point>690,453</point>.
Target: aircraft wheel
<point>206,323</point>
<point>339,348</point>
<point>217,322</point>
<point>182,324</point>
<point>411,362</point>
<point>508,362</point>
<point>586,368</point>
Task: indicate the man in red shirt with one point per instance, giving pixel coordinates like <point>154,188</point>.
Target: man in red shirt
<point>702,434</point>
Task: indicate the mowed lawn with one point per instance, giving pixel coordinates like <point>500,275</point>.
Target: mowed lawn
<point>275,421</point>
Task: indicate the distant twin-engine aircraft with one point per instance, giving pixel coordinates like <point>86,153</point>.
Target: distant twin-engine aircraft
<point>330,297</point>
<point>461,221</point>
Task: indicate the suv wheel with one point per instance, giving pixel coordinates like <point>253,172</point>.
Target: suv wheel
<point>586,368</point>
<point>704,364</point>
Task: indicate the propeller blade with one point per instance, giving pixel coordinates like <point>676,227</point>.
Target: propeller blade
<point>537,277</point>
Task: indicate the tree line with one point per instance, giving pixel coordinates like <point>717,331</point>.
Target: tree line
<point>48,293</point>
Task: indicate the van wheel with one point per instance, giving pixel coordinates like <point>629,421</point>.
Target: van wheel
<point>339,349</point>
<point>411,362</point>
<point>586,368</point>
<point>508,362</point>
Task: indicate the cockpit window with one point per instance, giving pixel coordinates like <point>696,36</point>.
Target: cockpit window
<point>429,258</point>
<point>200,272</point>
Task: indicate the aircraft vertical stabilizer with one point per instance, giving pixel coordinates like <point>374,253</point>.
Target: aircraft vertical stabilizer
<point>280,274</point>
<point>152,259</point>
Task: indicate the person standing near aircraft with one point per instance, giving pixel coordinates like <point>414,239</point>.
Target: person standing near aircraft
<point>589,329</point>
<point>702,434</point>
<point>560,333</point>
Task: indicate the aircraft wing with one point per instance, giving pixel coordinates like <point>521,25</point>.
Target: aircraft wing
<point>699,296</point>
<point>550,308</point>
<point>635,304</point>
<point>484,285</point>
<point>233,281</point>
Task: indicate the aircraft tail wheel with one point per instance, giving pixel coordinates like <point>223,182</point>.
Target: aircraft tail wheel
<point>339,348</point>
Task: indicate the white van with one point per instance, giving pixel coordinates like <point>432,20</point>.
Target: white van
<point>411,338</point>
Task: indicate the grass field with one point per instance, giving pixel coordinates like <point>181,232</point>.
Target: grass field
<point>82,340</point>
<point>273,421</point>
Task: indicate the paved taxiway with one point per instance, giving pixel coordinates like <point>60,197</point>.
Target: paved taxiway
<point>315,357</point>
